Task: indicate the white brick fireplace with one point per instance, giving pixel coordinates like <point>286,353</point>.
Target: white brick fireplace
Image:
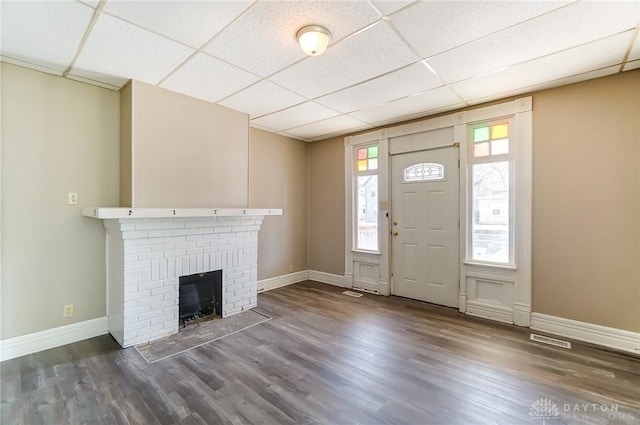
<point>149,249</point>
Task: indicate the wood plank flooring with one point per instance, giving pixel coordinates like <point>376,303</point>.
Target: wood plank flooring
<point>327,358</point>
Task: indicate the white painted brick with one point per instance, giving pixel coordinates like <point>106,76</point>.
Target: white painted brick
<point>171,267</point>
<point>130,258</point>
<point>162,268</point>
<point>162,247</point>
<point>164,290</point>
<point>127,226</point>
<point>135,265</point>
<point>210,237</point>
<point>150,286</point>
<point>155,270</point>
<point>169,296</point>
<point>150,300</point>
<point>150,241</point>
<point>171,310</point>
<point>137,249</point>
<point>130,288</point>
<point>223,230</point>
<point>151,225</point>
<point>134,234</point>
<point>133,312</point>
<point>183,232</point>
<point>175,239</point>
<point>194,251</point>
<point>143,272</point>
<point>130,242</point>
<point>137,296</point>
<point>159,233</point>
<point>164,304</point>
<point>148,315</point>
<point>150,256</point>
<point>155,328</point>
<point>205,263</point>
<point>173,225</point>
<point>137,325</point>
<point>185,245</point>
<point>129,304</point>
<point>195,224</point>
<point>194,238</point>
<point>175,253</point>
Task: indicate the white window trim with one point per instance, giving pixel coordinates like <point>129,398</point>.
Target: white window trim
<point>359,258</point>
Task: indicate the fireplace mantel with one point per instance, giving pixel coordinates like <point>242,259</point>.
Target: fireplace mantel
<point>149,249</point>
<point>119,212</point>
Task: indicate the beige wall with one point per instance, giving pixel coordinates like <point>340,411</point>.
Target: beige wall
<point>586,201</point>
<point>278,179</point>
<point>58,136</point>
<point>586,205</point>
<point>326,206</point>
<point>187,152</point>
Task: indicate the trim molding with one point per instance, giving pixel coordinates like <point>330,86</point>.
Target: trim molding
<point>618,339</point>
<point>51,338</point>
<point>328,278</point>
<point>284,280</point>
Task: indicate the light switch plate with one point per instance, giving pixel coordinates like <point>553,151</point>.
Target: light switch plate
<point>73,198</point>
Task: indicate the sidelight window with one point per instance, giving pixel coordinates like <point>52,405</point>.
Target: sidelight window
<point>366,216</point>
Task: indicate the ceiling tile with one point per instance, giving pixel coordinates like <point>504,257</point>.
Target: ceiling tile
<point>262,98</point>
<point>294,117</point>
<point>404,82</point>
<point>551,84</point>
<point>592,56</point>
<point>116,47</point>
<point>420,103</point>
<point>368,54</point>
<point>341,123</point>
<point>263,40</point>
<point>433,27</point>
<point>635,49</point>
<point>190,22</point>
<point>578,23</point>
<point>201,77</point>
<point>43,33</point>
<point>387,7</point>
<point>632,65</point>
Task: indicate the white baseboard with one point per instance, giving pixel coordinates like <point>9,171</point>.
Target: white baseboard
<point>328,278</point>
<point>284,280</point>
<point>38,341</point>
<point>587,332</point>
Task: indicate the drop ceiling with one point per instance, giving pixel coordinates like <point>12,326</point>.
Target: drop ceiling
<point>388,61</point>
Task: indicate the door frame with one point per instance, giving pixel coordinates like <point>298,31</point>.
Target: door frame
<point>509,296</point>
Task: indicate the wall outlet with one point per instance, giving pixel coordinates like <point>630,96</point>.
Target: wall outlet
<point>290,268</point>
<point>67,311</point>
<point>73,198</point>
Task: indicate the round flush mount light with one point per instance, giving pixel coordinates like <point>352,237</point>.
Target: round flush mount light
<point>313,39</point>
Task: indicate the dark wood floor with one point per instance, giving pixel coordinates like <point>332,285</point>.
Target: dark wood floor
<point>327,358</point>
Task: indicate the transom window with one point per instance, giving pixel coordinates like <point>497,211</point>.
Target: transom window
<point>491,140</point>
<point>426,171</point>
<point>368,158</point>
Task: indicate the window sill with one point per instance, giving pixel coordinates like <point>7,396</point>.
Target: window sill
<point>491,266</point>
<point>362,251</point>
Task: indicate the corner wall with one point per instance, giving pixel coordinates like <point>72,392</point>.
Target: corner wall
<point>278,168</point>
<point>58,136</point>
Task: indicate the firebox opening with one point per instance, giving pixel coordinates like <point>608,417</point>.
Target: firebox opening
<point>200,295</point>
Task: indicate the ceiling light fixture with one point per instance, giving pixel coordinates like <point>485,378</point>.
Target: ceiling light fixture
<point>313,39</point>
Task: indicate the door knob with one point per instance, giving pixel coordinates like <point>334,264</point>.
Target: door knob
<point>395,233</point>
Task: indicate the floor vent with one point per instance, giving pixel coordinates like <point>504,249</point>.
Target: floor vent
<point>551,341</point>
<point>353,294</point>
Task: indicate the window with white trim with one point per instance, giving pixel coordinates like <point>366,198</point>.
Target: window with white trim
<point>366,202</point>
<point>491,172</point>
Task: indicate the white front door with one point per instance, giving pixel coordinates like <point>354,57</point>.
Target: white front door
<point>424,226</point>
